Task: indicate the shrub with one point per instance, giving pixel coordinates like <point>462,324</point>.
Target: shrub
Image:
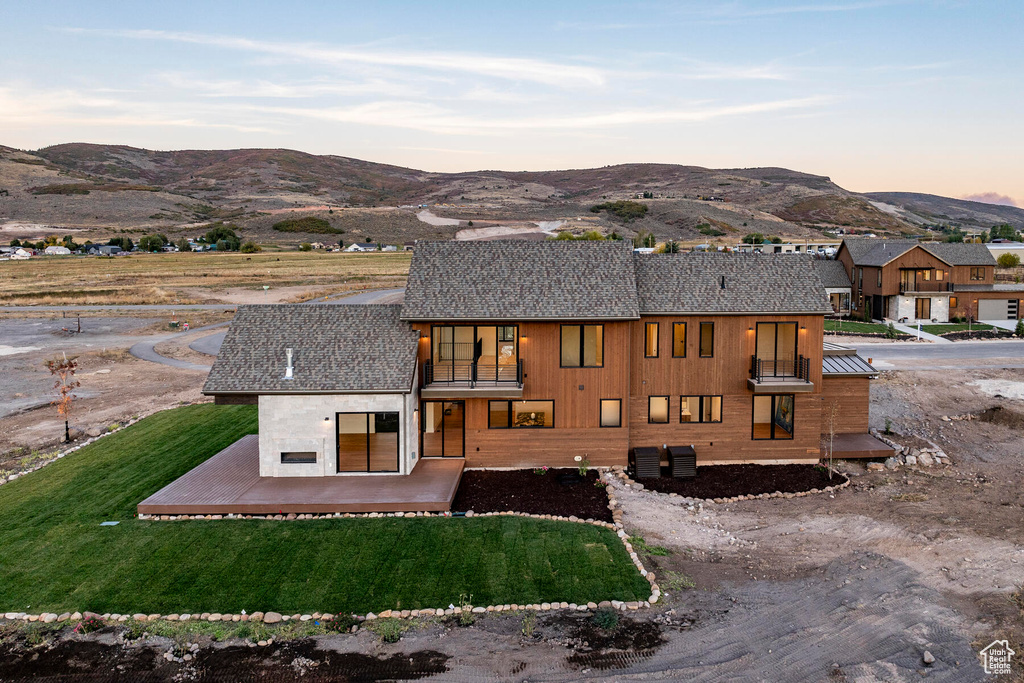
<point>250,247</point>
<point>529,623</point>
<point>388,629</point>
<point>753,238</point>
<point>1008,260</point>
<point>890,332</point>
<point>706,229</point>
<point>88,625</point>
<point>626,210</point>
<point>306,224</point>
<point>606,618</point>
<point>341,623</point>
<point>1019,330</point>
<point>305,246</point>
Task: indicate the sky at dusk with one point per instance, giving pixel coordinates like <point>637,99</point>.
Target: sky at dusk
<point>880,95</point>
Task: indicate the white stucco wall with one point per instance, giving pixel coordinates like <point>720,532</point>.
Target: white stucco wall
<point>906,307</point>
<point>296,423</point>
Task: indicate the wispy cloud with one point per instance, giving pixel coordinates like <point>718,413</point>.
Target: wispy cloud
<point>270,89</point>
<point>508,68</point>
<point>991,198</point>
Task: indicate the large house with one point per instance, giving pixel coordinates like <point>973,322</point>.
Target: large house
<point>913,281</point>
<point>511,354</point>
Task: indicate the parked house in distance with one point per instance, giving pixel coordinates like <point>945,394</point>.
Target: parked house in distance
<point>104,249</point>
<point>361,246</point>
<point>514,354</point>
<point>57,251</point>
<point>913,281</point>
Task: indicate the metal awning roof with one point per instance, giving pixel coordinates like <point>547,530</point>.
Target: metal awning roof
<point>846,366</point>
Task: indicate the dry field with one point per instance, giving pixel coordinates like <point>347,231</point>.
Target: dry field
<point>191,278</point>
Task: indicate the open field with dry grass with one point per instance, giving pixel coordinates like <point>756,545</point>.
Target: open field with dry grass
<point>190,278</point>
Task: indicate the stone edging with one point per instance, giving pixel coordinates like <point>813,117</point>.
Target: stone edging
<point>621,474</point>
<point>69,451</point>
<point>275,617</point>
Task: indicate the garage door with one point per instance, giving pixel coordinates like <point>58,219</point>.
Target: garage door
<point>997,309</point>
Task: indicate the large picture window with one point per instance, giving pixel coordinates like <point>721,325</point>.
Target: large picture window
<point>707,340</point>
<point>651,340</point>
<point>582,346</point>
<point>520,414</point>
<point>368,442</point>
<point>611,412</point>
<point>700,409</point>
<point>657,409</point>
<point>978,273</point>
<point>773,417</point>
<point>679,340</point>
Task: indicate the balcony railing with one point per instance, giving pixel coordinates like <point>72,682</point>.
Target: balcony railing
<point>925,286</point>
<point>769,370</point>
<point>471,374</point>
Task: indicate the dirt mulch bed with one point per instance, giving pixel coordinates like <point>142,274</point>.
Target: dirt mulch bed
<point>978,334</point>
<point>726,481</point>
<point>537,494</point>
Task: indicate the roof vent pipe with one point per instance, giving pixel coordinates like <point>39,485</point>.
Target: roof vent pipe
<point>288,370</point>
<point>723,282</point>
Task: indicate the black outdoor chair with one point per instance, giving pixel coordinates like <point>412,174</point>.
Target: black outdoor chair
<point>682,461</point>
<point>646,462</point>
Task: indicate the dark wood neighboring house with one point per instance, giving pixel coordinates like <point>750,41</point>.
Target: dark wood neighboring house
<point>913,281</point>
<point>526,354</point>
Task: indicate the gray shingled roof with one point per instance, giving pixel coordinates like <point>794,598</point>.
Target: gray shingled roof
<point>832,273</point>
<point>754,283</point>
<point>878,252</point>
<point>337,349</point>
<point>1000,287</point>
<point>521,280</point>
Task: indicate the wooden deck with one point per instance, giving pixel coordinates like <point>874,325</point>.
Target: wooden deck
<point>859,446</point>
<point>230,482</point>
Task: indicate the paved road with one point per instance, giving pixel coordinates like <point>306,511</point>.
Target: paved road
<point>146,351</point>
<point>925,356</point>
<point>210,344</point>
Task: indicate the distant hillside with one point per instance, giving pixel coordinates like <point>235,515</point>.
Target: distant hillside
<point>104,189</point>
<point>931,208</point>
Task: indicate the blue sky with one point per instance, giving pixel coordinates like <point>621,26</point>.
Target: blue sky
<point>911,95</point>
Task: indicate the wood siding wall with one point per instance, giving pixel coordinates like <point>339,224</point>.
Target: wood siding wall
<point>726,375</point>
<point>853,396</point>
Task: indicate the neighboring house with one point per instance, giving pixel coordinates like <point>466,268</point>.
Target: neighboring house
<point>21,254</point>
<point>389,247</point>
<point>57,251</point>
<point>1000,247</point>
<point>527,354</point>
<point>361,246</point>
<point>837,284</point>
<point>827,248</point>
<point>913,281</point>
<point>104,249</point>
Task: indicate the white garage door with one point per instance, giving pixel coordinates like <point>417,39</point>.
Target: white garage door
<point>997,309</point>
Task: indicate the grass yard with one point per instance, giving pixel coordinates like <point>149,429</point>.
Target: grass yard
<point>954,327</point>
<point>56,557</point>
<point>854,326</point>
<point>161,278</point>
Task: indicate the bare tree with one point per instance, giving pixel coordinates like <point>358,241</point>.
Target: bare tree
<point>831,424</point>
<point>64,370</point>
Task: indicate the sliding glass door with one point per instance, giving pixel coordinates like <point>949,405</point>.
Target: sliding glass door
<point>442,429</point>
<point>368,442</point>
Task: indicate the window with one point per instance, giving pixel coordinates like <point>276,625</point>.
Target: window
<point>679,340</point>
<point>657,409</point>
<point>978,273</point>
<point>700,408</point>
<point>651,340</point>
<point>611,412</point>
<point>368,442</point>
<point>773,417</point>
<point>952,302</point>
<point>879,276</point>
<point>520,414</point>
<point>860,278</point>
<point>707,340</point>
<point>923,308</point>
<point>938,274</point>
<point>582,346</point>
<point>298,457</point>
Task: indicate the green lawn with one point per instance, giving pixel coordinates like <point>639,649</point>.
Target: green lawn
<point>853,326</point>
<point>54,556</point>
<point>954,327</point>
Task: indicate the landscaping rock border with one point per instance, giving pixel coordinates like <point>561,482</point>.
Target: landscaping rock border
<point>620,472</point>
<point>911,457</point>
<point>61,454</point>
<point>276,617</point>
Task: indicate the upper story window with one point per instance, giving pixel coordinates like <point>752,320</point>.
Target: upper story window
<point>879,283</point>
<point>707,340</point>
<point>679,340</point>
<point>651,340</point>
<point>582,346</point>
<point>978,273</point>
